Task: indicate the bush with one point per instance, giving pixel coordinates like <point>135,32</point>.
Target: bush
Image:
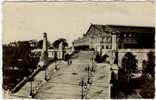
<point>129,62</point>
<point>148,89</point>
<point>148,66</point>
<point>98,58</point>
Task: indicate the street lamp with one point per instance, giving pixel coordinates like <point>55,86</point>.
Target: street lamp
<point>46,74</point>
<point>56,66</point>
<point>83,87</point>
<point>31,92</point>
<point>93,66</point>
<point>89,79</point>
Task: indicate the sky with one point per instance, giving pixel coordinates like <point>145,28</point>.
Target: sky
<point>26,21</point>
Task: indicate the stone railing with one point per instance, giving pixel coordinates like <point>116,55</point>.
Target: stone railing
<point>141,54</point>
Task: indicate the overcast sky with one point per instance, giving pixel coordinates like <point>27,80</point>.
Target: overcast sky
<point>25,21</point>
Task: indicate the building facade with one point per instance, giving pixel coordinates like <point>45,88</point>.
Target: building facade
<point>116,37</point>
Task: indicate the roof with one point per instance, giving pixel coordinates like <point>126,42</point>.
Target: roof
<point>123,28</point>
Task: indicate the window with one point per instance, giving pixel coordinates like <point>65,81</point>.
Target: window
<point>130,35</point>
<point>104,39</point>
<point>124,35</point>
<point>106,46</point>
<point>109,39</point>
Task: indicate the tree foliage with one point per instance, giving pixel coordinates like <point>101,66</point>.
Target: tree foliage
<point>57,42</point>
<point>18,62</point>
<point>129,65</point>
<point>149,64</point>
<point>129,62</point>
<point>101,59</point>
<point>148,88</point>
<point>40,44</point>
<point>98,58</point>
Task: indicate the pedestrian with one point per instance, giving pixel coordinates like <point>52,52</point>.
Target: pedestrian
<point>67,58</point>
<point>70,61</point>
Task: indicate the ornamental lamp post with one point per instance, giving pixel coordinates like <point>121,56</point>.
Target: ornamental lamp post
<point>83,86</point>
<point>46,74</point>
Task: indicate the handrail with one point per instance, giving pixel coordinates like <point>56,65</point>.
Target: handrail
<point>25,79</point>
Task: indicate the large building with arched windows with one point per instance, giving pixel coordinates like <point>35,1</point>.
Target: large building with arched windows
<point>116,37</point>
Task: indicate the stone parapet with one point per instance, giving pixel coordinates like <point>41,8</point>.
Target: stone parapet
<point>141,54</point>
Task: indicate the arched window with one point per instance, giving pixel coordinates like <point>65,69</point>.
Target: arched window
<point>124,35</point>
<point>107,47</point>
<point>104,39</point>
<point>109,39</point>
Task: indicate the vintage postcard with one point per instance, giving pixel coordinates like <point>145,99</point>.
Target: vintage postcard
<point>78,49</point>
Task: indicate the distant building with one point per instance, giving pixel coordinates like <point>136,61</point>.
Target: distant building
<point>32,43</point>
<point>116,37</point>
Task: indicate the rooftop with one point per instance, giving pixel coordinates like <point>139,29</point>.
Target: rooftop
<point>123,28</point>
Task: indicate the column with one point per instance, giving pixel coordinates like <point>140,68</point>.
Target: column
<point>44,54</point>
<point>114,47</point>
<point>44,42</point>
<point>60,50</point>
<point>114,42</point>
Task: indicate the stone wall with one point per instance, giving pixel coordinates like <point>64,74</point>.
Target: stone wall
<point>141,54</point>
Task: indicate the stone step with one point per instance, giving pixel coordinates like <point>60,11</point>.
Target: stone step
<point>60,96</point>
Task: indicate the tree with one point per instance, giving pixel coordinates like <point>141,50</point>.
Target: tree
<point>129,62</point>
<point>150,63</point>
<point>148,88</point>
<point>40,44</point>
<point>18,62</point>
<point>123,82</point>
<point>129,65</point>
<point>57,42</point>
<point>104,58</point>
<point>98,58</point>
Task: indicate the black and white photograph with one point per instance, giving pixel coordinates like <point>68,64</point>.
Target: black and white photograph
<point>78,50</point>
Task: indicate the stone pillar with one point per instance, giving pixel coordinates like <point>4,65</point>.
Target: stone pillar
<point>60,51</point>
<point>44,54</point>
<point>114,42</point>
<point>114,47</point>
<point>44,42</point>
